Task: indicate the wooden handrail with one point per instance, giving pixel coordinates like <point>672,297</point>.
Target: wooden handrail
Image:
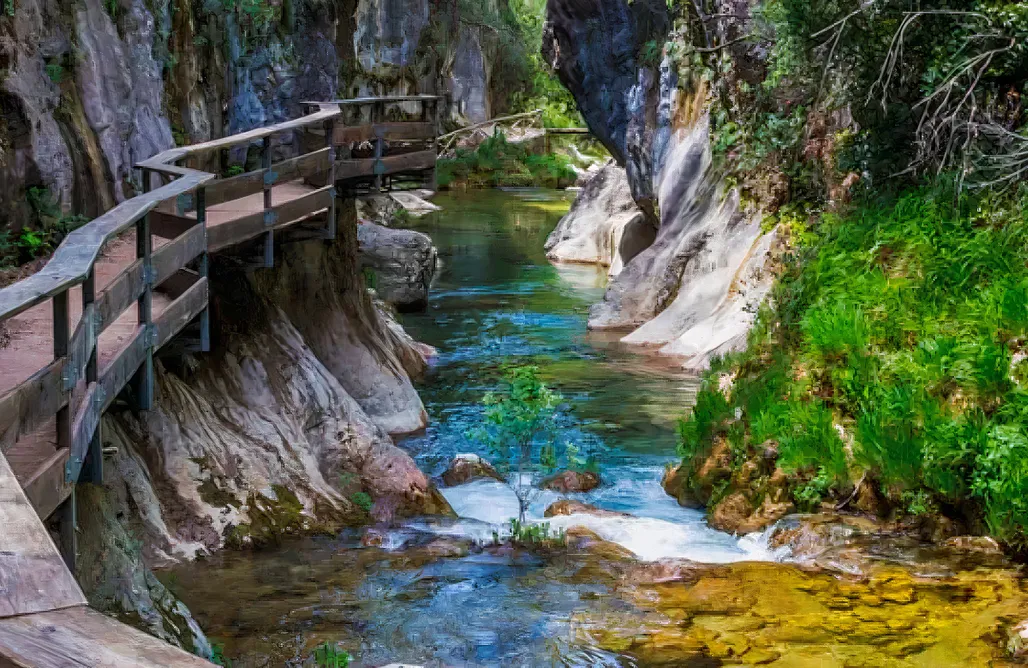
<point>49,391</point>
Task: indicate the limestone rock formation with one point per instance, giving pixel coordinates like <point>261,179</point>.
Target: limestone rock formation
<point>402,262</point>
<point>690,290</point>
<point>604,225</point>
<point>572,507</point>
<point>467,467</point>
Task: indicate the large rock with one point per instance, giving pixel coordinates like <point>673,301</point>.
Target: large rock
<point>402,261</point>
<point>604,225</point>
<point>572,507</point>
<point>467,467</point>
<point>567,482</point>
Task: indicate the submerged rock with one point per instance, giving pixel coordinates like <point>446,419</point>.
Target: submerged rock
<point>402,262</point>
<point>568,482</point>
<point>467,467</point>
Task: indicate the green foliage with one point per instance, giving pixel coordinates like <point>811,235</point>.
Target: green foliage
<point>329,655</point>
<point>497,162</point>
<point>531,535</point>
<point>55,71</point>
<point>218,657</point>
<point>894,350</point>
<point>521,429</point>
<point>234,170</point>
<point>362,500</point>
<point>43,233</point>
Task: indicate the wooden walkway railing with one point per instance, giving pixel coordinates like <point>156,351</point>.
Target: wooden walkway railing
<point>51,417</point>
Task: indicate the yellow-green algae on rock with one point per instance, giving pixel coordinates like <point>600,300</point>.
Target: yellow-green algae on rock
<point>779,615</point>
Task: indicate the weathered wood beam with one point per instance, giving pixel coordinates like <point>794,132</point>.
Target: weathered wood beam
<point>251,183</point>
<point>251,226</point>
<point>33,578</point>
<point>408,131</point>
<point>169,225</point>
<point>32,404</point>
<point>392,164</point>
<point>48,486</point>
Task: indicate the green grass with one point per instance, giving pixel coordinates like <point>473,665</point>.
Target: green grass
<point>893,351</point>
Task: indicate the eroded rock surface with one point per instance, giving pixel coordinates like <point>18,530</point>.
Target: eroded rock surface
<point>692,288</point>
<point>604,226</point>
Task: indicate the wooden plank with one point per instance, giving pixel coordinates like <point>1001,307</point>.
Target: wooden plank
<point>122,292</point>
<point>236,187</point>
<point>79,636</point>
<point>119,370</point>
<point>162,159</point>
<point>174,318</point>
<point>33,577</point>
<point>169,225</point>
<point>74,259</point>
<point>86,422</point>
<point>47,488</point>
<point>82,344</point>
<point>32,404</point>
<point>393,164</point>
<point>178,283</point>
<point>410,131</point>
<point>371,100</point>
<point>220,237</point>
<point>170,258</point>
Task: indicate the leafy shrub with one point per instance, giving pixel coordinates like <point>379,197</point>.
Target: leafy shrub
<point>497,162</point>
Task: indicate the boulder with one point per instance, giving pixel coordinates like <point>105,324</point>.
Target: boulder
<point>403,263</point>
<point>567,482</point>
<point>467,467</point>
<point>604,226</point>
<point>737,513</point>
<point>570,507</point>
<point>980,544</point>
<point>676,483</point>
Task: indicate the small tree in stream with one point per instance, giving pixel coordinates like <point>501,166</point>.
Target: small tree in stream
<point>521,430</point>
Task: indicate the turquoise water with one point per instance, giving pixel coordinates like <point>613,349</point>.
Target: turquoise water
<point>496,300</point>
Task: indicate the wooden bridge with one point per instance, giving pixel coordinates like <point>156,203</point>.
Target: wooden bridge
<point>84,330</point>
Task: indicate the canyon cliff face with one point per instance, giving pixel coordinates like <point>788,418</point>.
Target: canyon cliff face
<point>92,87</point>
<point>693,280</point>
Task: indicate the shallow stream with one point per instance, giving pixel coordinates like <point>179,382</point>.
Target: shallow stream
<point>423,600</point>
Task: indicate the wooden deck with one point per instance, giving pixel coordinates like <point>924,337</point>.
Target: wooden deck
<point>86,326</point>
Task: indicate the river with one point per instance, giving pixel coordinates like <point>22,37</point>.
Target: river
<point>420,599</point>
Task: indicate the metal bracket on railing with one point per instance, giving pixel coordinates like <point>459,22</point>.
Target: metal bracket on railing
<point>270,177</point>
<point>70,374</point>
<point>149,275</point>
<point>72,468</point>
<point>270,218</point>
<point>98,321</point>
<point>100,396</point>
<point>380,168</point>
<point>150,335</point>
<point>183,203</point>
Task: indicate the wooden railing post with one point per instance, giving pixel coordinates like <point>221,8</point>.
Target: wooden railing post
<point>204,269</point>
<point>330,131</point>
<point>142,382</point>
<point>93,469</point>
<point>433,182</point>
<point>269,215</point>
<point>377,110</point>
<point>67,519</point>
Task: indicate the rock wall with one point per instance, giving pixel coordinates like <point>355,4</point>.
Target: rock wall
<point>693,290</point>
<point>91,87</point>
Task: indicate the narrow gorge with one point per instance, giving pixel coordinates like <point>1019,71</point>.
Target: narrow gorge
<point>614,333</point>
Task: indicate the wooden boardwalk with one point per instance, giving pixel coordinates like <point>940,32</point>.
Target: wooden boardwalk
<point>84,330</point>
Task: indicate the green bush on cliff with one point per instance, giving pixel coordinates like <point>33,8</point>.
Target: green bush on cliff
<point>895,351</point>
